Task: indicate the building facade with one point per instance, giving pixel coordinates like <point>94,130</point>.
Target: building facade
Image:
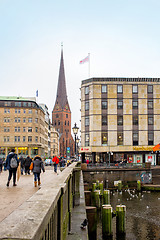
<point>22,126</point>
<point>120,119</point>
<point>61,115</point>
<point>54,142</point>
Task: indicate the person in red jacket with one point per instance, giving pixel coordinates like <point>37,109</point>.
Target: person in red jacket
<point>55,161</point>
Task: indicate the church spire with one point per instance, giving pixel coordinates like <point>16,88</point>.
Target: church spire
<point>61,98</point>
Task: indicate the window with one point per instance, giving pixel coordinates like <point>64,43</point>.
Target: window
<point>6,139</point>
<point>119,138</point>
<point>119,89</point>
<point>104,138</point>
<point>135,120</point>
<point>59,122</point>
<point>68,123</point>
<point>6,110</point>
<point>150,104</point>
<point>24,110</point>
<point>36,129</point>
<point>29,120</point>
<point>29,104</point>
<point>17,120</point>
<point>120,104</point>
<point>24,138</point>
<point>36,120</point>
<point>17,138</point>
<point>87,90</point>
<point>24,129</point>
<point>29,129</point>
<point>7,104</point>
<point>29,138</point>
<point>150,88</point>
<point>86,121</point>
<point>65,123</point>
<point>120,120</point>
<point>104,120</point>
<point>104,104</point>
<point>86,106</point>
<point>135,89</point>
<point>135,138</point>
<point>24,104</point>
<point>57,116</point>
<point>66,115</point>
<point>6,129</point>
<point>18,104</point>
<point>150,119</point>
<point>36,139</point>
<point>30,111</point>
<point>150,138</point>
<point>135,104</point>
<point>104,88</point>
<point>15,110</point>
<point>17,129</point>
<point>86,139</point>
<point>6,120</point>
<point>24,120</point>
<point>36,112</point>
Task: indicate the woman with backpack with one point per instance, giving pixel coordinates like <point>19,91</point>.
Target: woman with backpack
<point>12,165</point>
<point>37,166</point>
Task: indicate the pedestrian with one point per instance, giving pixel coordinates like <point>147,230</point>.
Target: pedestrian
<point>12,165</point>
<point>27,163</point>
<point>1,164</point>
<point>21,160</point>
<point>55,161</point>
<point>37,166</point>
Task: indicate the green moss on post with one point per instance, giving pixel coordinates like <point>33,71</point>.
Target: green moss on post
<point>106,197</point>
<point>138,185</point>
<point>96,198</point>
<point>101,187</point>
<point>97,184</point>
<point>106,221</point>
<point>119,185</point>
<point>94,185</point>
<point>120,219</point>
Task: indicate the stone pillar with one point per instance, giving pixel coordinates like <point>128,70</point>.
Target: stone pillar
<point>77,186</point>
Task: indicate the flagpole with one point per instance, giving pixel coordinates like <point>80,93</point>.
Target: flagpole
<point>89,65</point>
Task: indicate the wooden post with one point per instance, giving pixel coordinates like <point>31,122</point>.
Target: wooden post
<point>97,201</point>
<point>119,185</point>
<point>106,197</point>
<point>138,185</point>
<point>94,185</point>
<point>97,183</point>
<point>120,219</point>
<point>92,222</point>
<point>87,198</point>
<point>101,187</point>
<point>106,221</point>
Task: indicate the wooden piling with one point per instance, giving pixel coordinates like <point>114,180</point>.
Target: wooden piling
<point>94,185</point>
<point>120,219</point>
<point>97,184</point>
<point>138,185</point>
<point>119,185</point>
<point>106,221</point>
<point>106,196</point>
<point>92,222</point>
<point>101,187</point>
<point>87,198</point>
<point>97,201</point>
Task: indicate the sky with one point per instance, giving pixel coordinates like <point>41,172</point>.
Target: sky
<point>122,37</point>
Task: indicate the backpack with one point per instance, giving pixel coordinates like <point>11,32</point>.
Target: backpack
<point>13,162</point>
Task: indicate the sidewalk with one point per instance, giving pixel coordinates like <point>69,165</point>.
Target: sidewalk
<point>12,197</point>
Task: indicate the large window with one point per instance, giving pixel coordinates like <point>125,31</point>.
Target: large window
<point>120,120</point>
<point>104,104</point>
<point>135,138</point>
<point>150,119</point>
<point>86,139</point>
<point>119,138</point>
<point>87,105</point>
<point>17,138</point>
<point>135,89</point>
<point>150,88</point>
<point>120,104</point>
<point>29,120</point>
<point>6,139</point>
<point>150,104</point>
<point>119,89</point>
<point>29,138</point>
<point>104,88</point>
<point>104,138</point>
<point>104,120</point>
<point>135,120</point>
<point>29,129</point>
<point>150,138</point>
<point>87,90</point>
<point>86,121</point>
<point>135,104</point>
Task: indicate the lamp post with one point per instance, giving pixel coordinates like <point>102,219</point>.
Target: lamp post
<point>77,141</point>
<point>75,131</point>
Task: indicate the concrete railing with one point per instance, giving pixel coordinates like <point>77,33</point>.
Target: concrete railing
<point>47,214</point>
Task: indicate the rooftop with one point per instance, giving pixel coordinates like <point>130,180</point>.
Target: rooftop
<point>14,98</point>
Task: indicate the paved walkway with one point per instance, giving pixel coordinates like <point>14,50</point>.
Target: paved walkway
<point>12,197</point>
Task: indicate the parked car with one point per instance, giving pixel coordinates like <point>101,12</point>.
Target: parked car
<point>48,162</point>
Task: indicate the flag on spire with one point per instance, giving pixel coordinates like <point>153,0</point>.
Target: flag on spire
<point>86,59</point>
<point>37,93</point>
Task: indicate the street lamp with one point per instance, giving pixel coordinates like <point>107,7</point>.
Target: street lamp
<point>75,131</point>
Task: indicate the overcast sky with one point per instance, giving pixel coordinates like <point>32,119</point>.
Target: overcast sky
<point>122,37</point>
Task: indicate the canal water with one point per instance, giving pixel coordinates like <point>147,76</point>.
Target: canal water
<point>142,215</point>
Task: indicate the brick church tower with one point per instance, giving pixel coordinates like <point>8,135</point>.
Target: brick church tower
<point>61,115</point>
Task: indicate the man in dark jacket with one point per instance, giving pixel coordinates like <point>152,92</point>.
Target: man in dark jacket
<point>37,166</point>
<point>27,163</point>
<point>12,165</point>
<point>21,160</point>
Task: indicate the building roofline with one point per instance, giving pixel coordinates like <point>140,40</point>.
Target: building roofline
<point>14,98</point>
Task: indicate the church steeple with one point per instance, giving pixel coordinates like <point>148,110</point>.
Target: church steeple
<point>61,98</point>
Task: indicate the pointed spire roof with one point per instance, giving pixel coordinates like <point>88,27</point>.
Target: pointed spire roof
<point>61,89</point>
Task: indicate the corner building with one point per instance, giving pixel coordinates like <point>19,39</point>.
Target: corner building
<point>120,119</point>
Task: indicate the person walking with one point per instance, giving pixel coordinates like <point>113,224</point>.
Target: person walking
<point>27,163</point>
<point>12,165</point>
<point>21,160</point>
<point>1,164</point>
<point>55,161</point>
<point>37,166</point>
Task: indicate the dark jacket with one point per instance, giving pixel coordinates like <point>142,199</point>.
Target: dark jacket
<point>38,165</point>
<point>27,161</point>
<point>10,155</point>
<point>21,160</point>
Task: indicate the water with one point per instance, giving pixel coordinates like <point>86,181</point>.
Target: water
<point>142,215</point>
